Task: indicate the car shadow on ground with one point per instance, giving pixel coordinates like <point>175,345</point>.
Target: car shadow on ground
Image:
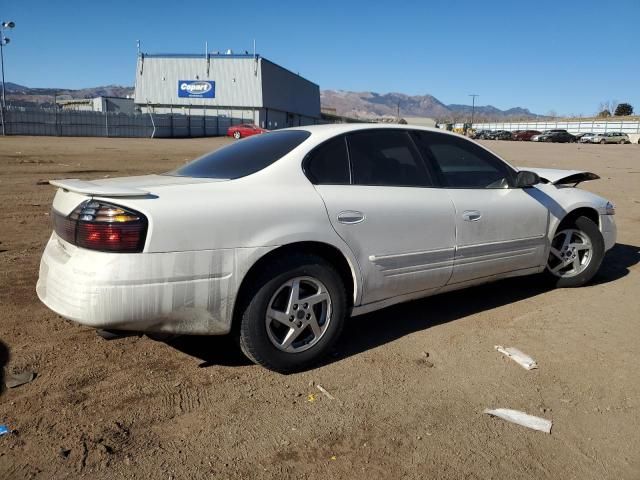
<point>372,330</point>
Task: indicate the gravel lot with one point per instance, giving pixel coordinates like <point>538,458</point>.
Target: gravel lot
<point>195,408</point>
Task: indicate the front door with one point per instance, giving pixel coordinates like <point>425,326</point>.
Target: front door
<point>385,207</point>
<point>498,228</point>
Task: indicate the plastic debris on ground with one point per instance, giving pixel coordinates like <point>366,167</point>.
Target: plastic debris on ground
<point>325,393</point>
<point>522,359</point>
<point>14,380</point>
<point>521,418</point>
<point>4,430</point>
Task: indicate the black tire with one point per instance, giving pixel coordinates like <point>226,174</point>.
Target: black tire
<point>591,230</point>
<point>253,336</point>
<point>602,142</point>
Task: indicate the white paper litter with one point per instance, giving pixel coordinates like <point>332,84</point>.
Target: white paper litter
<point>522,359</point>
<point>325,393</point>
<point>521,418</point>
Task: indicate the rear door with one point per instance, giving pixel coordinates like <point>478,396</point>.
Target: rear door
<point>382,201</point>
<point>499,228</point>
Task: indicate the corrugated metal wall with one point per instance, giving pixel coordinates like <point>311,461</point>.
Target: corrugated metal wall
<point>595,126</point>
<point>24,121</point>
<point>285,91</point>
<point>238,80</point>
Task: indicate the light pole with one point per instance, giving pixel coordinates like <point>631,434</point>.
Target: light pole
<point>4,41</point>
<point>473,106</point>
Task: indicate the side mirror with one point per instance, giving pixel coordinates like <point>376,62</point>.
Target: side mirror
<point>526,179</point>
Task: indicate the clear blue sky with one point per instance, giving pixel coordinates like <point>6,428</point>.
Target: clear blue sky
<point>544,55</point>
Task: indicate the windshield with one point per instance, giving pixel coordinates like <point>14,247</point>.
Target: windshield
<point>243,157</point>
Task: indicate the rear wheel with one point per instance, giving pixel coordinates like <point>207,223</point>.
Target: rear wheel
<point>237,135</point>
<point>602,142</point>
<point>576,253</point>
<point>622,142</point>
<point>294,313</point>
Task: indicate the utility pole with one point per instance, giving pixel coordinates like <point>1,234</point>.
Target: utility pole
<point>4,41</point>
<point>473,106</point>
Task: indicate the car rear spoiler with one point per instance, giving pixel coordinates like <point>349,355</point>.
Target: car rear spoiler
<point>562,177</point>
<point>98,190</point>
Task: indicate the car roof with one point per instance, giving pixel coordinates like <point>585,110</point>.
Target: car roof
<point>338,128</point>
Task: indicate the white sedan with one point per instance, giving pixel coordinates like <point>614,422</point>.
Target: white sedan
<point>280,237</point>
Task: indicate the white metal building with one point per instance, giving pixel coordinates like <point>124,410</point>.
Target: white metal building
<point>246,87</point>
<point>98,104</point>
<point>421,121</point>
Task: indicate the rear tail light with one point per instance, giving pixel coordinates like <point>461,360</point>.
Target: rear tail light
<point>102,226</point>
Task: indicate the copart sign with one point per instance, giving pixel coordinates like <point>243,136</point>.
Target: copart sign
<point>196,89</point>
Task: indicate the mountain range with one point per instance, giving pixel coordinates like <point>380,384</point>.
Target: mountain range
<point>365,105</point>
<point>371,105</point>
<point>22,96</point>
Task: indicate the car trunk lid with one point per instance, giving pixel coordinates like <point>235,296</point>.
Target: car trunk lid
<point>123,190</point>
<point>139,186</point>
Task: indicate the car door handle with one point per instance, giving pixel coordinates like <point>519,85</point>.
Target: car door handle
<point>350,217</point>
<point>471,215</point>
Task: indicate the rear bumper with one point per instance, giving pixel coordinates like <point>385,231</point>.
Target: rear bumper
<point>176,292</point>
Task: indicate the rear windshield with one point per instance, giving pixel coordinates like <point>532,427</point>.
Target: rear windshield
<point>244,157</point>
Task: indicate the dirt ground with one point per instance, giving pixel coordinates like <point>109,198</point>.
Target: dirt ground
<point>195,408</point>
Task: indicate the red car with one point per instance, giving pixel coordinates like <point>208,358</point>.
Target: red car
<point>244,130</point>
<point>524,135</point>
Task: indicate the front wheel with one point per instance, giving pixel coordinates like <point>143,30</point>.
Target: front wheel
<point>294,313</point>
<point>237,135</point>
<point>576,254</point>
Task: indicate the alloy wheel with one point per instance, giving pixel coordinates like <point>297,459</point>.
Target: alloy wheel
<point>570,254</point>
<point>298,314</point>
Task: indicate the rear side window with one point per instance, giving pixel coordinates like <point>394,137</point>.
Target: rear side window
<point>244,157</point>
<point>329,163</point>
<point>464,164</point>
<point>386,157</point>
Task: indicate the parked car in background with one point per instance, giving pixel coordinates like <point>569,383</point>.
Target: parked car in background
<point>481,134</point>
<point>503,135</point>
<point>244,130</point>
<point>554,136</point>
<point>537,138</point>
<point>281,237</point>
<point>579,136</point>
<point>525,135</point>
<point>609,137</point>
<point>493,135</point>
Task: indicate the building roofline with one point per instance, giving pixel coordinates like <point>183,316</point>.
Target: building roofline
<point>199,55</point>
<point>248,56</point>
<point>292,73</point>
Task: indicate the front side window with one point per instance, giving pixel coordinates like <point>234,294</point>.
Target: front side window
<point>386,157</point>
<point>329,163</point>
<point>462,163</point>
<point>244,157</point>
